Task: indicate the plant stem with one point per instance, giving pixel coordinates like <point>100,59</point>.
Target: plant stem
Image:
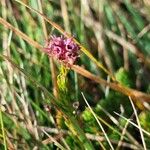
<point>3,132</point>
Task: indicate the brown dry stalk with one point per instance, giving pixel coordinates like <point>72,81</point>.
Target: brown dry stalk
<point>92,137</point>
<point>134,94</point>
<point>19,33</point>
<point>49,140</point>
<point>85,51</point>
<point>52,64</point>
<point>128,46</point>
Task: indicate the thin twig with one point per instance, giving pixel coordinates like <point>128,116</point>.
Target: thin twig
<point>139,125</point>
<point>88,135</point>
<point>100,125</point>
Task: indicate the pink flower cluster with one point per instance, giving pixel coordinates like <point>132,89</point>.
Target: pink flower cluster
<point>63,49</point>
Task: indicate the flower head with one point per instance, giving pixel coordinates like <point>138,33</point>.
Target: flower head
<point>63,49</point>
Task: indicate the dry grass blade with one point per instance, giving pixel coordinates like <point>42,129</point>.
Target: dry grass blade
<point>65,15</point>
<point>144,31</point>
<point>50,51</point>
<point>52,65</point>
<point>56,26</point>
<point>53,140</point>
<point>19,33</point>
<point>139,125</point>
<point>116,122</point>
<point>120,40</point>
<point>88,135</point>
<point>128,46</point>
<point>111,146</point>
<point>134,94</point>
<point>122,136</point>
<point>144,131</point>
<point>115,86</point>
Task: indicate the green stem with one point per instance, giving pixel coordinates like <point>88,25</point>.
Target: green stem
<point>70,120</point>
<point>3,132</point>
<point>77,131</point>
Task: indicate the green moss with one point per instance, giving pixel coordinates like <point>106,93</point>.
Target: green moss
<point>144,118</point>
<point>123,77</point>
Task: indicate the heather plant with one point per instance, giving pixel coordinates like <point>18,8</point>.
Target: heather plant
<point>64,50</point>
<point>87,91</point>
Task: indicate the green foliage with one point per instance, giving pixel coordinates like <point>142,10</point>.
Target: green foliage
<point>26,77</point>
<point>89,122</point>
<point>24,133</point>
<point>70,141</point>
<point>8,123</point>
<point>123,77</point>
<point>108,104</point>
<point>145,119</point>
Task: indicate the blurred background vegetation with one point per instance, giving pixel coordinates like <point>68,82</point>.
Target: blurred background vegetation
<point>117,34</point>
